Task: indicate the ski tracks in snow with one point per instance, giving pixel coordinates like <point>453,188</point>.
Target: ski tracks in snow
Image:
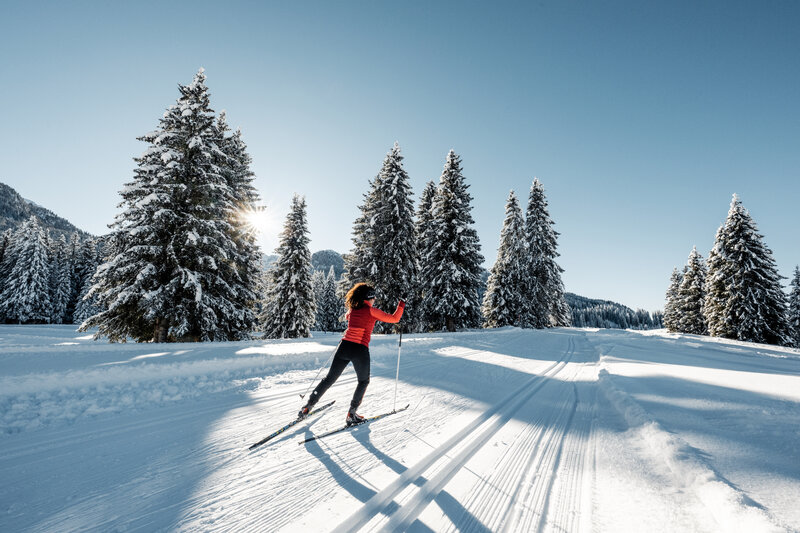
<point>538,483</point>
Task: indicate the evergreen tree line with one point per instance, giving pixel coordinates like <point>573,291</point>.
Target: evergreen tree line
<point>44,279</point>
<point>431,256</point>
<point>736,293</point>
<point>181,262</point>
<point>589,313</point>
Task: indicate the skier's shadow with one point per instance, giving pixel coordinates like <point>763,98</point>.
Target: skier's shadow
<point>451,507</point>
<point>359,490</point>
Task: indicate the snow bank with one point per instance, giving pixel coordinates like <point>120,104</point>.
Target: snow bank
<point>731,509</point>
<point>45,382</point>
<point>35,399</point>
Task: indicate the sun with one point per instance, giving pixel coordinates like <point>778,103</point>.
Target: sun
<point>255,219</point>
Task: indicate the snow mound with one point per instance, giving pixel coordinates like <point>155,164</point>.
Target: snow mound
<point>732,509</point>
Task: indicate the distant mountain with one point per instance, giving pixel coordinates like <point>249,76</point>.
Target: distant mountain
<point>323,260</point>
<point>14,210</point>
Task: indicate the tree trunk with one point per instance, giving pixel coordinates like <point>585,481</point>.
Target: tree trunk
<point>160,330</point>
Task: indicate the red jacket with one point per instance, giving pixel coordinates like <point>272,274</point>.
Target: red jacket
<point>361,321</point>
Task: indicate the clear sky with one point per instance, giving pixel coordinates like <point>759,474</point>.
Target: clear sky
<point>641,119</point>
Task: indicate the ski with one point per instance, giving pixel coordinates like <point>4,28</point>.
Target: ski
<point>345,428</point>
<point>290,424</point>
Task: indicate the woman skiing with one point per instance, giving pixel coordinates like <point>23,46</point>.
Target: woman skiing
<point>354,346</point>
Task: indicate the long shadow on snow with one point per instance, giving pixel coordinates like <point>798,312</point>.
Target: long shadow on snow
<point>96,481</point>
<point>768,456</point>
<point>447,373</point>
<point>364,493</point>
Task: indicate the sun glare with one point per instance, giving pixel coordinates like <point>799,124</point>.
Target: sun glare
<point>256,220</point>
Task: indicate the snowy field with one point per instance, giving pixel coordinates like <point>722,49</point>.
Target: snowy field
<point>507,430</point>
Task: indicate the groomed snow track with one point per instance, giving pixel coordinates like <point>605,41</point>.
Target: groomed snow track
<point>517,493</point>
<point>509,430</point>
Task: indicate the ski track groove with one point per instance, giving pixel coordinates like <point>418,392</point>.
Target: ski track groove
<point>480,430</point>
<point>527,510</point>
<point>492,499</point>
<point>568,513</point>
<point>554,442</point>
<point>289,476</point>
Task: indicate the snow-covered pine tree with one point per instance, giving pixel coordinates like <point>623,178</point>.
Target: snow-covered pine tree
<point>168,278</point>
<point>717,273</point>
<point>290,307</point>
<point>6,263</point>
<point>426,235</point>
<point>318,283</point>
<point>60,281</point>
<point>504,303</point>
<point>329,306</point>
<point>744,297</point>
<point>385,246</point>
<point>75,258</point>
<point>358,263</point>
<point>453,288</point>
<point>672,316</point>
<point>245,267</point>
<point>794,309</point>
<point>5,268</point>
<point>692,295</point>
<point>88,259</point>
<point>544,288</point>
<point>26,295</point>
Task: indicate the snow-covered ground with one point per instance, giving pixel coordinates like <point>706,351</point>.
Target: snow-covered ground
<point>507,430</point>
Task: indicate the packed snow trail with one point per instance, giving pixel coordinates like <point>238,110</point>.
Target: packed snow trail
<point>508,430</point>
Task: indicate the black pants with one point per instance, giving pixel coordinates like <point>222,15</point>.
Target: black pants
<point>347,352</point>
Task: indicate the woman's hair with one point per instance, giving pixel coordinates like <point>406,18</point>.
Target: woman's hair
<point>355,297</point>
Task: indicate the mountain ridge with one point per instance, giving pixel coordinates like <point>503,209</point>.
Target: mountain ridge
<point>14,210</point>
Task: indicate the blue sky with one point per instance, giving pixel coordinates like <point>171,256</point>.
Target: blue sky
<point>641,119</point>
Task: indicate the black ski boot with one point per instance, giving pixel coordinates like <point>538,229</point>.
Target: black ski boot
<point>354,418</point>
<point>304,411</point>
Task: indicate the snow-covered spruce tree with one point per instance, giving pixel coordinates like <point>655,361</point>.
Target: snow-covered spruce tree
<point>7,263</point>
<point>318,283</point>
<point>170,276</point>
<point>794,309</point>
<point>426,235</point>
<point>26,295</point>
<point>672,315</point>
<point>692,295</point>
<point>385,246</point>
<point>75,258</point>
<point>717,296</point>
<point>453,288</point>
<point>290,307</point>
<point>88,260</point>
<point>244,265</point>
<point>60,281</point>
<point>744,298</point>
<point>357,263</point>
<point>5,266</point>
<point>504,303</point>
<point>544,288</point>
<point>329,305</point>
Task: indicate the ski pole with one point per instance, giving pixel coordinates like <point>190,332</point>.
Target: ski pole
<point>397,376</point>
<point>318,372</point>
